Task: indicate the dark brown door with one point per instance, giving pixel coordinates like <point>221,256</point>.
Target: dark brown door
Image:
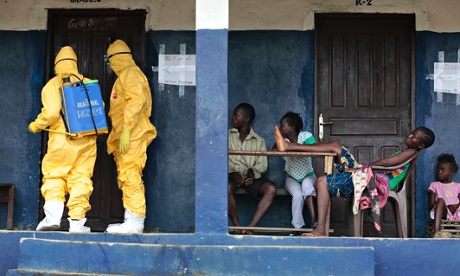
<point>365,89</point>
<point>90,32</point>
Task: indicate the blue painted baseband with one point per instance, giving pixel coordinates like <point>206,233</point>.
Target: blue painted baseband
<point>154,259</point>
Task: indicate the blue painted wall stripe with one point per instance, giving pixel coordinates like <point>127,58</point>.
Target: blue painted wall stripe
<point>211,130</point>
<point>435,115</point>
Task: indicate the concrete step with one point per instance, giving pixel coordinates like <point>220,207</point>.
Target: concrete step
<point>34,272</point>
<point>62,256</point>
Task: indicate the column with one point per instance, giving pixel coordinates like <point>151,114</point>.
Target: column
<point>211,116</point>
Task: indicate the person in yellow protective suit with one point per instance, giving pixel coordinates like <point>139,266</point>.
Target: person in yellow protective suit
<point>132,132</point>
<point>68,164</point>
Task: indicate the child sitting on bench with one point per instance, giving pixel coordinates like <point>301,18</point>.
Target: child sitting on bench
<point>444,193</point>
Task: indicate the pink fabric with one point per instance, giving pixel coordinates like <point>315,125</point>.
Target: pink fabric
<point>449,192</point>
<point>361,179</point>
<point>383,190</point>
<point>375,195</point>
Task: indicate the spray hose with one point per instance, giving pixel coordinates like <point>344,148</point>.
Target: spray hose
<point>61,132</point>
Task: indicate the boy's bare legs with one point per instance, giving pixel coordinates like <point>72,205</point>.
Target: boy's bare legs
<point>283,145</point>
<point>268,193</point>
<point>232,210</point>
<point>311,206</point>
<point>323,198</point>
<point>440,211</point>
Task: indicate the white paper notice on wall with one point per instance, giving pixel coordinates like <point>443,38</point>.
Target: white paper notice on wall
<point>177,69</point>
<point>447,77</point>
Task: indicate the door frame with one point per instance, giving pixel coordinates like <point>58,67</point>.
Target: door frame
<point>138,56</point>
<point>369,16</point>
<point>87,12</point>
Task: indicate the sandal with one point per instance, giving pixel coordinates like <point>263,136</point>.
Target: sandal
<point>314,225</point>
<point>442,235</point>
<point>235,232</point>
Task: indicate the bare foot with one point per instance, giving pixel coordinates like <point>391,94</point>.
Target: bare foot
<point>248,232</point>
<point>314,233</point>
<point>281,144</point>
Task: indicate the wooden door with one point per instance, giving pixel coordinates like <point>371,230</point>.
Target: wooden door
<point>364,86</point>
<point>89,33</point>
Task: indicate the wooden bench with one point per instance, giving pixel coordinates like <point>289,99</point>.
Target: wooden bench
<point>273,229</point>
<point>279,192</point>
<point>7,195</point>
<point>447,226</point>
<point>328,166</point>
<point>328,156</point>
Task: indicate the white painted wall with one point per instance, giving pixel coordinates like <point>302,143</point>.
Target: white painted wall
<point>432,15</point>
<point>161,14</point>
<point>212,14</point>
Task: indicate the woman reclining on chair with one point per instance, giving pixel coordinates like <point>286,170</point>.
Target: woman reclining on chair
<point>341,184</point>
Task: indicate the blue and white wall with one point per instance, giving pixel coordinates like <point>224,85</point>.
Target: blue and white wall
<point>270,47</point>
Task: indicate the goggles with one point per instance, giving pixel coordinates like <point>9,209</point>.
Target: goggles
<point>107,57</point>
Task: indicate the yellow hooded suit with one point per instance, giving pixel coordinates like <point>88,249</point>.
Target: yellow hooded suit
<point>132,131</point>
<point>69,162</point>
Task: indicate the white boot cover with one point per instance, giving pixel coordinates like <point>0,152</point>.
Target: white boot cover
<point>78,226</point>
<point>133,225</point>
<point>53,214</point>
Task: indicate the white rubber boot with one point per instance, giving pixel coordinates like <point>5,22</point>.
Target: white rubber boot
<point>78,226</point>
<point>133,225</point>
<point>53,214</point>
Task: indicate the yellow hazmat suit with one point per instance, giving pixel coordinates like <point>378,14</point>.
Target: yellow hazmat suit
<point>69,162</point>
<point>132,131</point>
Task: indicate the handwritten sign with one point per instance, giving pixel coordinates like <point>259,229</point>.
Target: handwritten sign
<point>177,69</point>
<point>447,77</point>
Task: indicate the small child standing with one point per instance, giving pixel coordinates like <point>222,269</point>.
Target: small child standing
<point>301,179</point>
<point>444,194</point>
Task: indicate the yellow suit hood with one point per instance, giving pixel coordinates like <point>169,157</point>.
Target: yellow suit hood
<point>120,56</point>
<point>65,62</point>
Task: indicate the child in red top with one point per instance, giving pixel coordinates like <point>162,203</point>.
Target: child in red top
<point>444,194</point>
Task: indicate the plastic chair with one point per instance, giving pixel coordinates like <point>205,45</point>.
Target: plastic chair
<point>399,194</point>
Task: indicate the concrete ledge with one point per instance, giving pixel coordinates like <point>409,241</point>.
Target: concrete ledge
<point>393,256</point>
<point>137,259</point>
